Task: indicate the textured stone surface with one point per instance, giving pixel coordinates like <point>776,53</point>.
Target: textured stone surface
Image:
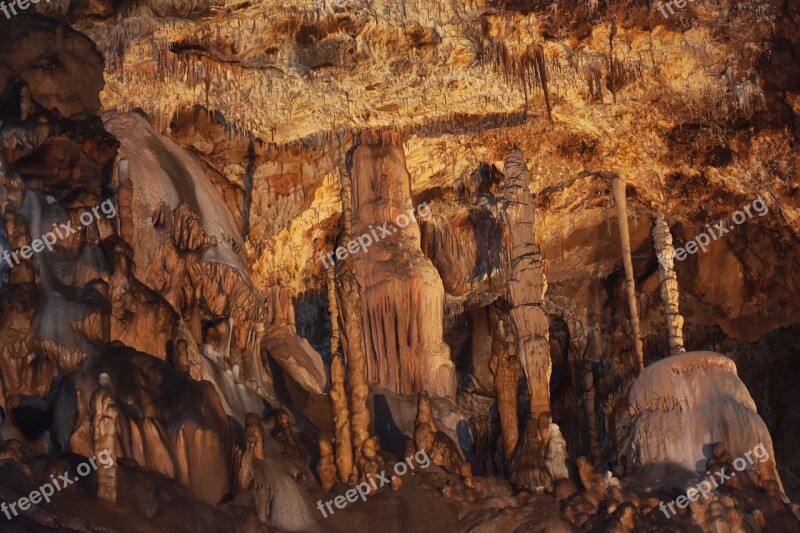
<point>682,405</point>
<point>239,140</point>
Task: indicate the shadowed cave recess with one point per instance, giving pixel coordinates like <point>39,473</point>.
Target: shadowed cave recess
<point>399,266</point>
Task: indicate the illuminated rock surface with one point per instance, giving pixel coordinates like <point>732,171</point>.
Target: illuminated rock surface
<point>240,143</point>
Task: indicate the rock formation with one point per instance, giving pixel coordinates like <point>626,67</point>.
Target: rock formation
<point>589,395</point>
<point>104,437</point>
<point>681,404</point>
<point>670,295</point>
<point>245,242</point>
<point>526,283</point>
<point>396,278</point>
<point>621,204</point>
<point>506,368</point>
<point>344,449</point>
<point>326,468</point>
<point>424,426</point>
<point>437,445</point>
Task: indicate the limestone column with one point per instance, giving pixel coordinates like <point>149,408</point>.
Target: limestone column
<point>670,293</point>
<point>621,202</point>
<point>526,283</point>
<point>349,292</point>
<point>591,416</point>
<point>337,393</point>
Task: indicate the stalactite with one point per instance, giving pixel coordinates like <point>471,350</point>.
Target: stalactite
<point>670,294</point>
<point>620,199</point>
<point>542,71</point>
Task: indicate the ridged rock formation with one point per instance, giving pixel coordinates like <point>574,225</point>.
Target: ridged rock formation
<point>526,283</point>
<point>402,297</point>
<point>506,369</point>
<point>480,341</point>
<point>670,294</point>
<point>682,404</point>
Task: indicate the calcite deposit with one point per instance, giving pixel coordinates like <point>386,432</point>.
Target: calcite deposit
<point>400,266</point>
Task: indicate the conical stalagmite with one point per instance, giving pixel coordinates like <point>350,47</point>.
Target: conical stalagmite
<point>105,413</point>
<point>670,293</point>
<point>621,202</point>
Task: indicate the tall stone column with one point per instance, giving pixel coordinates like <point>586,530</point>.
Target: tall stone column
<point>526,283</point>
<point>670,293</point>
<point>621,203</point>
<point>352,338</point>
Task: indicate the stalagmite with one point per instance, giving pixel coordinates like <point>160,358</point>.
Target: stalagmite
<point>349,292</point>
<point>359,391</point>
<point>326,467</point>
<point>557,456</point>
<point>104,437</point>
<point>526,283</point>
<point>253,451</point>
<point>528,467</point>
<point>670,294</point>
<point>344,450</point>
<point>255,435</point>
<point>591,417</point>
<point>369,462</point>
<point>621,202</point>
<point>440,448</point>
<point>344,446</point>
<point>424,426</point>
<point>125,200</point>
<point>506,368</point>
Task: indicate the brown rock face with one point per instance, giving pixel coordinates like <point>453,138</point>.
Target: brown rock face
<point>401,293</point>
<point>62,67</point>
